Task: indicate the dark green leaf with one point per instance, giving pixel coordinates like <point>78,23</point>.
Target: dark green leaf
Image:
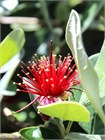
<point>38,133</point>
<point>31,133</point>
<point>89,126</point>
<point>99,127</point>
<point>89,13</point>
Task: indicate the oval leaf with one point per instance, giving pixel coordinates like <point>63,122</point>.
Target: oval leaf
<point>11,45</point>
<point>65,110</point>
<point>87,73</point>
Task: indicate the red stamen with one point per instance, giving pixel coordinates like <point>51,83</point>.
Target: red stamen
<point>45,79</point>
<point>28,105</point>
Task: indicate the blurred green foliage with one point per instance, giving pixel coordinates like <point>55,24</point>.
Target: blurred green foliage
<point>43,20</point>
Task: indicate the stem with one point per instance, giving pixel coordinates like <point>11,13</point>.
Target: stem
<point>44,11</point>
<point>68,127</point>
<point>61,127</point>
<point>94,123</point>
<point>46,123</point>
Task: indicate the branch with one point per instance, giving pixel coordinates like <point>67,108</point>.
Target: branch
<point>22,20</point>
<point>6,136</point>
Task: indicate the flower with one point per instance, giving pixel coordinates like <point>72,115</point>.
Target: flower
<point>50,82</point>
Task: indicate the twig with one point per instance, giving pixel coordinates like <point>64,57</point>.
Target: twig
<point>13,136</point>
<point>22,20</point>
<point>45,14</point>
<point>68,127</point>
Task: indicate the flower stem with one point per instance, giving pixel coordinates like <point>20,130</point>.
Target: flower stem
<point>46,123</point>
<point>61,127</point>
<point>68,127</point>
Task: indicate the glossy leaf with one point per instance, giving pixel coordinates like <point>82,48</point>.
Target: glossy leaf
<point>87,73</point>
<point>66,110</point>
<point>31,133</point>
<point>38,133</point>
<point>11,45</point>
<point>81,136</point>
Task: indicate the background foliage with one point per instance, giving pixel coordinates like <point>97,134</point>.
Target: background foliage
<point>41,21</point>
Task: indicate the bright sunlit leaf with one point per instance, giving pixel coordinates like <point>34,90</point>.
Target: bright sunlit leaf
<point>11,45</point>
<point>65,110</point>
<point>10,67</point>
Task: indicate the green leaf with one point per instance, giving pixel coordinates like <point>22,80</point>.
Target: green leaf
<point>31,133</point>
<point>10,90</point>
<point>62,7</point>
<point>92,126</point>
<point>38,133</point>
<point>86,71</point>
<point>11,45</point>
<point>12,62</point>
<point>66,110</point>
<point>93,59</point>
<point>74,3</point>
<point>102,90</point>
<point>99,127</point>
<point>100,65</point>
<point>89,13</point>
<point>5,80</point>
<point>10,67</point>
<point>21,117</point>
<point>81,136</point>
<point>89,126</point>
<point>100,69</point>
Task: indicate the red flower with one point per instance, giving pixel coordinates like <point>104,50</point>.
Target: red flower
<point>47,80</point>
